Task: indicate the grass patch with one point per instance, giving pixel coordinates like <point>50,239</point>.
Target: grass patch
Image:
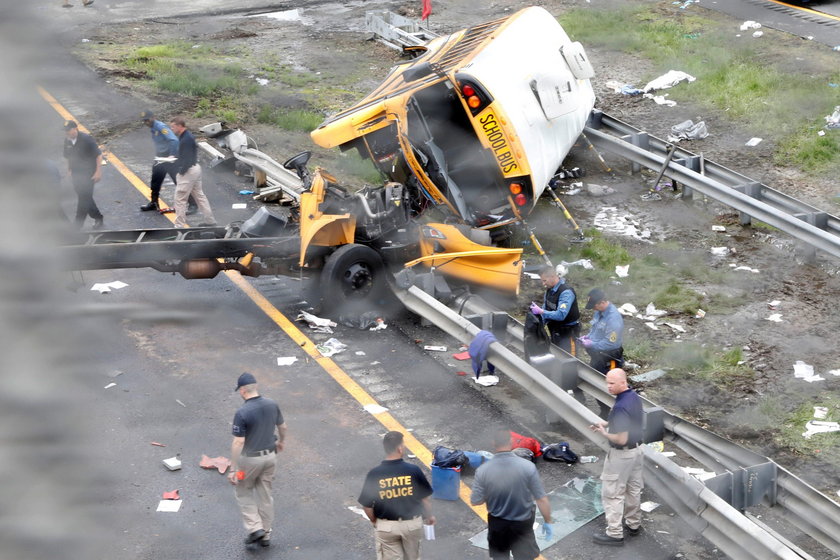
<point>676,297</point>
<point>294,119</point>
<point>743,83</point>
<point>827,445</point>
<point>721,367</point>
<point>603,253</point>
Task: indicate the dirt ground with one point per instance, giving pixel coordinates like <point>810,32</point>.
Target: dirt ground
<point>329,40</point>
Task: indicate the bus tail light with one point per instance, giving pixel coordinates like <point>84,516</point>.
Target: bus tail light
<point>520,199</point>
<point>475,96</point>
<point>515,188</point>
<point>520,191</point>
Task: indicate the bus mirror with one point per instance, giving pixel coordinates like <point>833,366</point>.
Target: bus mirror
<point>416,72</point>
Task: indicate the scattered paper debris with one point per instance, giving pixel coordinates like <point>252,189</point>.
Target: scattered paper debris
<point>675,327</point>
<point>331,347</point>
<point>775,317</point>
<point>719,251</point>
<point>531,275</point>
<point>667,80</point>
<point>171,495</point>
<point>585,263</point>
<point>487,380</point>
<point>700,314</point>
<point>804,371</point>
<point>358,511</point>
<point>239,206</point>
<point>622,271</point>
<point>109,385</point>
<point>834,372</point>
<point>157,444</point>
<point>668,454</point>
<point>609,220</point>
<point>750,24</point>
<point>688,130</point>
<point>651,326</point>
<point>746,268</point>
<point>286,360</point>
<point>360,352</point>
<point>219,463</point>
<point>435,348</point>
<point>758,34</point>
<point>169,506</point>
<point>380,325</point>
<point>628,309</point>
<point>262,81</point>
<point>660,99</point>
<point>652,311</point>
<point>318,324</point>
<point>698,473</point>
<point>718,228</point>
<point>820,412</point>
<point>753,141</point>
<point>179,402</point>
<point>375,408</point>
<point>462,355</point>
<point>819,427</point>
<point>648,507</point>
<point>774,304</point>
<point>173,464</point>
<point>104,288</point>
<point>648,376</point>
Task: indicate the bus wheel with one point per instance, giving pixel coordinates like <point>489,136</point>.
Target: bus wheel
<point>354,276</point>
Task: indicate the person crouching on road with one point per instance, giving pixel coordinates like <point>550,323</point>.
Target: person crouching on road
<point>509,485</point>
<point>604,341</point>
<point>395,497</point>
<point>559,311</point>
<point>621,479</point>
<point>188,180</point>
<point>259,432</point>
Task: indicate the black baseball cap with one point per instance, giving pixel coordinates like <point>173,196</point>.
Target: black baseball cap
<point>70,125</point>
<point>245,379</point>
<point>595,295</point>
<point>147,115</point>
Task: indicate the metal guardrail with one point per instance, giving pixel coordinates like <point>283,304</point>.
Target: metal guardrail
<point>819,229</point>
<point>723,525</point>
<point>756,477</point>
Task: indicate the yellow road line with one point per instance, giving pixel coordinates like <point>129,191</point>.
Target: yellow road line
<point>808,10</point>
<point>344,380</point>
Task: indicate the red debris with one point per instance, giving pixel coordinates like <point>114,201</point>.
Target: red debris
<point>158,444</point>
<point>461,356</point>
<point>220,463</point>
<point>171,495</point>
<point>461,372</point>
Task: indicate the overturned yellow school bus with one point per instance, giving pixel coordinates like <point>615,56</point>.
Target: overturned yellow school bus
<point>479,122</point>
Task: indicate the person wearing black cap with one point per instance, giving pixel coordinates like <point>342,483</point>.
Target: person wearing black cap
<point>259,432</point>
<point>166,150</point>
<point>84,163</point>
<point>604,341</point>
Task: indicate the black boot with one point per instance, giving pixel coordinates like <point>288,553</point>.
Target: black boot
<point>152,205</point>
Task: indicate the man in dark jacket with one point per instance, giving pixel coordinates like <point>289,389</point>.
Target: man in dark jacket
<point>559,310</point>
<point>84,163</point>
<point>188,180</point>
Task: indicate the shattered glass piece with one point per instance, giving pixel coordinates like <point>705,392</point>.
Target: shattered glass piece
<point>573,505</point>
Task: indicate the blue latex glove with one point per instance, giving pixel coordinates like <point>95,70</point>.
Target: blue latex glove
<point>547,531</point>
<point>536,309</point>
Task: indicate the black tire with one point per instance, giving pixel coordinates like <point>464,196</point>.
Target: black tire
<point>353,277</point>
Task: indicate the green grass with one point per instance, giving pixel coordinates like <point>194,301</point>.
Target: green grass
<point>294,119</point>
<point>826,445</point>
<point>676,297</point>
<point>692,360</point>
<point>745,84</point>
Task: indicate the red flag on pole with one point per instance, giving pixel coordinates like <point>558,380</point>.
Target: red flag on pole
<point>427,9</point>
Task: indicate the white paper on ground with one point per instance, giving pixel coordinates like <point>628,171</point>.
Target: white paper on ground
<point>375,408</point>
<point>435,348</point>
<point>105,287</point>
<point>775,317</point>
<point>239,206</point>
<point>819,427</point>
<point>627,309</point>
<point>820,412</point>
<point>648,507</point>
<point>652,311</point>
<point>169,506</point>
<point>651,326</point>
<point>754,141</point>
<point>487,380</point>
<point>622,271</point>
<point>109,385</point>
<point>835,372</point>
<point>286,360</point>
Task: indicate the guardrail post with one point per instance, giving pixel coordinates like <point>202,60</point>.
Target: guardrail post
<point>563,373</point>
<point>746,487</point>
<point>691,162</point>
<point>752,190</point>
<point>495,322</point>
<point>640,140</point>
<point>818,220</point>
<point>653,428</point>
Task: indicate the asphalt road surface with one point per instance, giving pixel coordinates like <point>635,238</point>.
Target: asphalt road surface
<point>82,478</point>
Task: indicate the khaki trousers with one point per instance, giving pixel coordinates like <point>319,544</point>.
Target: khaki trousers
<point>190,184</point>
<point>621,489</point>
<point>253,493</point>
<point>398,540</point>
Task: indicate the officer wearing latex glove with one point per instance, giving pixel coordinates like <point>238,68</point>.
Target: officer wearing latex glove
<point>585,340</point>
<point>547,531</point>
<point>535,309</point>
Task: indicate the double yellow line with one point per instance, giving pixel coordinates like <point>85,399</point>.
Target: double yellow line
<point>327,364</point>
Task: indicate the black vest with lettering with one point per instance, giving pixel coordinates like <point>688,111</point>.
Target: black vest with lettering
<point>551,299</point>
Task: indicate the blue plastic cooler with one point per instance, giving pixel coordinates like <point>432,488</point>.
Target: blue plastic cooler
<point>445,482</point>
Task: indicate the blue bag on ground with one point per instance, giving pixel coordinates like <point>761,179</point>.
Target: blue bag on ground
<point>559,452</point>
<point>449,458</point>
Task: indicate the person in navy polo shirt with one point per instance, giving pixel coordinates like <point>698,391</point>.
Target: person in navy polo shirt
<point>395,497</point>
<point>258,434</point>
<point>621,479</point>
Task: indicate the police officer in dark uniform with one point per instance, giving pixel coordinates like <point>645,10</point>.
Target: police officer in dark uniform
<point>395,497</point>
<point>84,162</point>
<point>559,311</point>
<point>258,434</point>
<point>166,146</point>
